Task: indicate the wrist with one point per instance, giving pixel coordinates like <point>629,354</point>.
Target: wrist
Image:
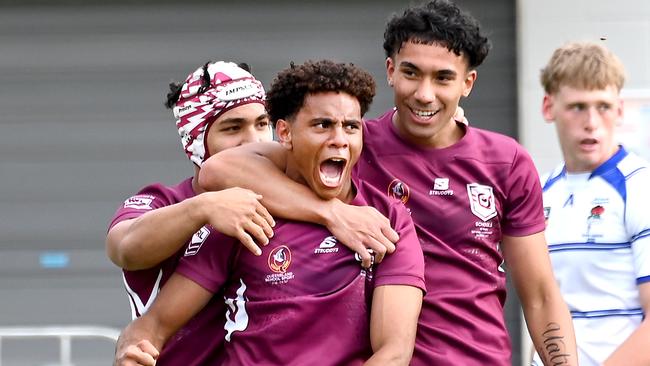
<point>326,213</point>
<point>194,208</point>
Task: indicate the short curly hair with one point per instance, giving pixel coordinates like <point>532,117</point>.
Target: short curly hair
<point>290,87</point>
<point>438,22</point>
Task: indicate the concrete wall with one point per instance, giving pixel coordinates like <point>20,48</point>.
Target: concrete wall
<point>546,25</point>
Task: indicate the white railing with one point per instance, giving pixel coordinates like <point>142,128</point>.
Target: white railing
<point>63,333</point>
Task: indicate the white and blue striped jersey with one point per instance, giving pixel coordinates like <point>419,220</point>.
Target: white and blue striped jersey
<point>598,233</point>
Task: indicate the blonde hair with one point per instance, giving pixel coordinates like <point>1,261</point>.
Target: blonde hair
<point>582,65</point>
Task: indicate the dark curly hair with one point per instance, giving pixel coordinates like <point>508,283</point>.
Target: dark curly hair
<point>175,87</point>
<point>290,87</point>
<point>438,22</point>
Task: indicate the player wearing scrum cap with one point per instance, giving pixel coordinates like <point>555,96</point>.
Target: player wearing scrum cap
<point>307,300</point>
<point>219,106</point>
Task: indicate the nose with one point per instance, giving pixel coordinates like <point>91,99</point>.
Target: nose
<point>425,92</point>
<point>592,119</point>
<point>339,138</point>
<point>250,134</point>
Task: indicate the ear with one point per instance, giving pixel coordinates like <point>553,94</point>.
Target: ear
<point>283,131</point>
<point>547,108</point>
<point>470,78</point>
<point>620,112</point>
<point>390,70</point>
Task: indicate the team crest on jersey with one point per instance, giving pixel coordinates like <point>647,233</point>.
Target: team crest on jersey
<point>280,259</point>
<point>593,220</point>
<point>197,240</point>
<point>481,201</point>
<point>398,189</point>
<point>139,202</point>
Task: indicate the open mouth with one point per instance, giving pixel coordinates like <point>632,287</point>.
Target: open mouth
<point>424,114</point>
<point>588,143</point>
<point>331,171</point>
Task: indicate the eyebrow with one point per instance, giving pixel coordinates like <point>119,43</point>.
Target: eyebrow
<point>443,72</point>
<point>240,120</point>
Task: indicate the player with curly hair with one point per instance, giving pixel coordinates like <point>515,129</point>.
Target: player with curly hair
<point>307,300</point>
<point>474,196</point>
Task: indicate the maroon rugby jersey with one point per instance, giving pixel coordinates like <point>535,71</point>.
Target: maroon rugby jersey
<point>462,199</point>
<point>194,344</point>
<point>306,299</point>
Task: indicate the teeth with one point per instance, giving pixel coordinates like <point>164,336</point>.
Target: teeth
<point>337,160</point>
<point>424,113</point>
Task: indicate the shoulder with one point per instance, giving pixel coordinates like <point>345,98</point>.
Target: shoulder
<point>392,208</point>
<point>495,145</point>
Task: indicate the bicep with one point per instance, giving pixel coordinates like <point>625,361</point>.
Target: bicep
<point>114,238</point>
<point>394,315</point>
<point>528,263</point>
<point>249,160</point>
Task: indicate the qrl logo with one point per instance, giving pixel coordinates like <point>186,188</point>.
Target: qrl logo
<point>481,201</point>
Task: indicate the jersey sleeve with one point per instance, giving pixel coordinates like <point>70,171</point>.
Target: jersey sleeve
<point>637,223</point>
<point>523,208</point>
<point>148,198</point>
<point>405,266</point>
<point>209,263</point>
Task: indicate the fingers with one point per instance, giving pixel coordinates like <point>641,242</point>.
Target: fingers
<point>142,354</point>
<point>388,238</point>
<point>363,255</point>
<point>248,242</point>
<point>262,211</point>
<point>148,348</point>
<point>265,221</point>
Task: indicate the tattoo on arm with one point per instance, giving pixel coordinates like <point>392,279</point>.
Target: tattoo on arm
<point>554,350</point>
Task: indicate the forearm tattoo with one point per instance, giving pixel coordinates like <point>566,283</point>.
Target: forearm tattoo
<point>554,351</point>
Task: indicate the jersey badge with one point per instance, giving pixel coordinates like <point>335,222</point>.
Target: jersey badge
<point>441,188</point>
<point>398,189</point>
<point>328,245</point>
<point>481,201</point>
<point>279,261</point>
<point>197,240</point>
<point>139,202</point>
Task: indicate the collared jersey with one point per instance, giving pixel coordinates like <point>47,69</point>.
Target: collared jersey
<point>306,299</point>
<point>143,286</point>
<point>462,199</point>
<point>598,237</point>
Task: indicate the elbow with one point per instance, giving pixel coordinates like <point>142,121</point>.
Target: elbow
<point>209,177</point>
<point>122,254</point>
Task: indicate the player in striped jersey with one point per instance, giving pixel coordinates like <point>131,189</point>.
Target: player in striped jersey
<point>597,229</point>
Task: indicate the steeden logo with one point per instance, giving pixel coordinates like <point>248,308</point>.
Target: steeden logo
<point>441,188</point>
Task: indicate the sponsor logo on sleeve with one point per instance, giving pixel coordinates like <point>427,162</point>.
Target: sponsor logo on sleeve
<point>481,201</point>
<point>139,202</point>
<point>197,240</point>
